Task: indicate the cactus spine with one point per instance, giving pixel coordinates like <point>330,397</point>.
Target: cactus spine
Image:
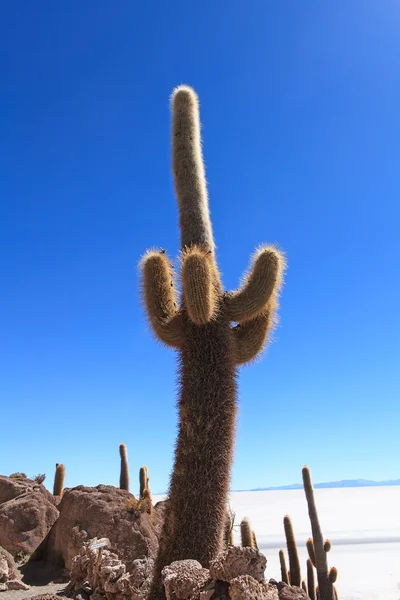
<point>124,475</point>
<point>325,587</point>
<point>59,480</point>
<point>294,563</point>
<point>210,350</point>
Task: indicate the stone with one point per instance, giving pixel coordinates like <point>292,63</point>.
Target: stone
<point>246,587</point>
<point>16,584</point>
<point>235,561</point>
<point>291,593</point>
<point>27,513</point>
<point>86,513</point>
<point>185,580</point>
<point>8,568</point>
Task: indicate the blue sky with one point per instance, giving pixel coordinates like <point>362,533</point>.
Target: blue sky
<point>300,111</point>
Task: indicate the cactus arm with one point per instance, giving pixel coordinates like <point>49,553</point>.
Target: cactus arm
<point>200,282</point>
<point>262,281</point>
<point>160,298</point>
<point>251,336</point>
<point>188,169</point>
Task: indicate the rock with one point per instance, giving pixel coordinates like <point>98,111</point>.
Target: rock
<point>99,512</point>
<point>291,593</point>
<point>48,597</point>
<point>186,580</point>
<point>106,576</point>
<point>246,587</point>
<point>8,568</point>
<point>235,561</point>
<point>16,584</point>
<point>27,513</point>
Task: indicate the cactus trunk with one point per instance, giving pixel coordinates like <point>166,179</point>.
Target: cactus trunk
<point>204,450</point>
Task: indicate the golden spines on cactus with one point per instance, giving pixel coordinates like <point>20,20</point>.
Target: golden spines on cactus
<point>59,480</point>
<point>124,473</point>
<point>310,580</point>
<point>325,586</point>
<point>246,533</point>
<point>333,573</point>
<point>261,283</point>
<point>304,586</point>
<point>200,282</point>
<point>284,571</point>
<point>327,545</point>
<point>254,540</point>
<point>294,563</point>
<point>160,298</point>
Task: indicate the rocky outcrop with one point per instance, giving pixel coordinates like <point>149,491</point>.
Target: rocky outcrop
<point>234,562</point>
<point>235,574</point>
<point>291,593</point>
<point>86,513</point>
<point>8,568</point>
<point>27,513</point>
<point>246,587</point>
<point>187,580</point>
<point>102,574</point>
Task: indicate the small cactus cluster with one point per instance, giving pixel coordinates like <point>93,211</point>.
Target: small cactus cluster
<point>317,549</point>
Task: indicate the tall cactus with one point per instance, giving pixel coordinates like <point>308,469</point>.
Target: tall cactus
<point>210,350</point>
<point>124,475</point>
<point>59,479</point>
<point>325,583</point>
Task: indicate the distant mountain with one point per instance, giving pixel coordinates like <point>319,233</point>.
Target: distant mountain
<point>345,483</point>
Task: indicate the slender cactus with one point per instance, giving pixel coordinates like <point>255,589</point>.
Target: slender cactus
<point>147,501</point>
<point>326,591</point>
<point>310,580</point>
<point>284,571</point>
<point>59,480</point>
<point>310,549</point>
<point>124,474</point>
<point>294,563</point>
<point>254,540</point>
<point>304,586</point>
<point>143,480</point>
<point>228,530</point>
<point>210,350</point>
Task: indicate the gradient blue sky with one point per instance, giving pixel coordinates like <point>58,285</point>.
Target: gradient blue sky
<point>300,110</point>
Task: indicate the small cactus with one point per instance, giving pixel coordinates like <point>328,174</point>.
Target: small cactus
<point>254,540</point>
<point>295,575</point>
<point>327,546</point>
<point>310,549</point>
<point>228,530</point>
<point>304,586</point>
<point>59,480</point>
<point>310,580</point>
<point>124,475</point>
<point>284,571</point>
<point>246,533</point>
<point>143,480</point>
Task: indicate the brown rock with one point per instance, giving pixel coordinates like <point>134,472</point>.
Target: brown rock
<point>8,568</point>
<point>27,513</point>
<point>16,584</point>
<point>246,587</point>
<point>100,512</point>
<point>291,593</point>
<point>186,580</point>
<point>235,561</point>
